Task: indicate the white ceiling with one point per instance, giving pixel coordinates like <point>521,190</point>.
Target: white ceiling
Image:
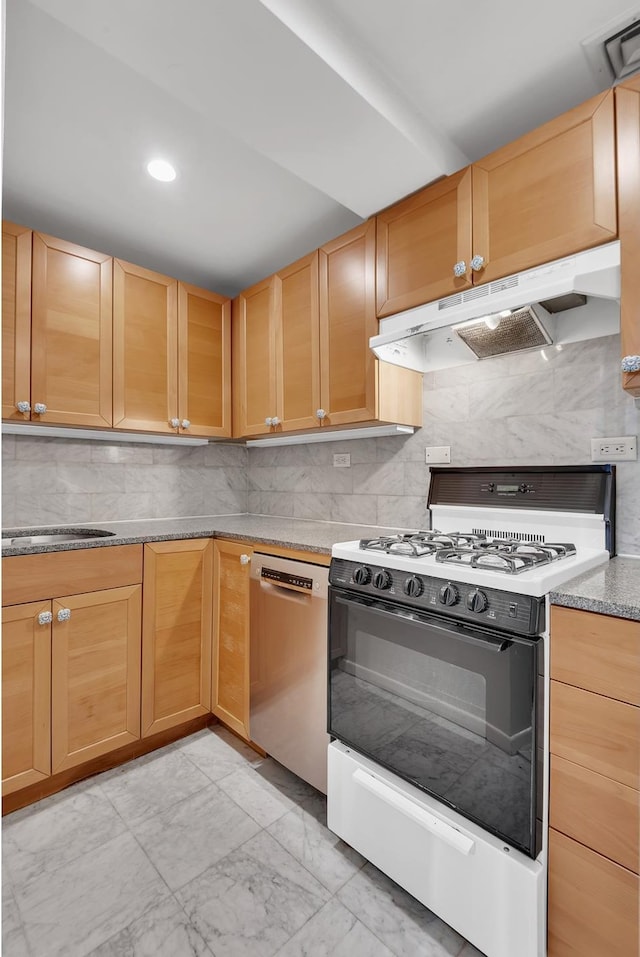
<point>289,121</point>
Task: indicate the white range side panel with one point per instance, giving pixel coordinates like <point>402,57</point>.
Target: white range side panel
<point>493,896</point>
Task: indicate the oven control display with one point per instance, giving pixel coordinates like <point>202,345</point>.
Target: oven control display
<point>501,488</point>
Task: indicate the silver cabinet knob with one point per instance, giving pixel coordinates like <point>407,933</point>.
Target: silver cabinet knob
<point>174,423</point>
<point>478,263</point>
<point>275,420</point>
<point>64,614</point>
<point>45,618</point>
<point>460,268</point>
<point>40,408</point>
<point>268,420</point>
<point>23,407</point>
<point>630,364</point>
<point>321,414</point>
<point>245,559</point>
<point>185,423</point>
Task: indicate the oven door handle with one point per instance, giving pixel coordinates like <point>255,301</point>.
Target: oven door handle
<point>424,818</point>
<point>461,631</point>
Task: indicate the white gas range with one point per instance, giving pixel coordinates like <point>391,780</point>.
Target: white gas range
<point>438,691</point>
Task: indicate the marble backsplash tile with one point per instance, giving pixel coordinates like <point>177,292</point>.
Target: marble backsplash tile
<point>513,410</point>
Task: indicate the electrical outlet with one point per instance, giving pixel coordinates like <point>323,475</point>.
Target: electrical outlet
<point>437,454</point>
<point>342,460</point>
<point>619,448</point>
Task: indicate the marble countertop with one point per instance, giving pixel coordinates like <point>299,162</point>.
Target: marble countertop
<point>258,529</point>
<point>611,589</point>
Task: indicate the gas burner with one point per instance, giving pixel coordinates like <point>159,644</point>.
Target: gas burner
<point>508,562</point>
<point>413,544</point>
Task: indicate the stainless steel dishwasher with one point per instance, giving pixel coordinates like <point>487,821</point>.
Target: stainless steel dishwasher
<point>288,711</point>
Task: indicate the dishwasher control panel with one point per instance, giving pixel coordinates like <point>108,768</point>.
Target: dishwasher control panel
<point>286,578</point>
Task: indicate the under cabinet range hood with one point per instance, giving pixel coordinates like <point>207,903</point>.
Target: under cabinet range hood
<point>564,301</point>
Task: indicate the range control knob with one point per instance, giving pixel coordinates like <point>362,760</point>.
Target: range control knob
<point>449,594</point>
<point>361,575</point>
<point>382,579</point>
<point>413,586</point>
<point>477,601</point>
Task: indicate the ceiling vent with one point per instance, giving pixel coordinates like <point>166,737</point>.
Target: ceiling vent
<point>623,51</point>
<point>613,52</point>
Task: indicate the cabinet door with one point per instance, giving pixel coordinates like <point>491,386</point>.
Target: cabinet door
<point>176,633</point>
<point>548,194</point>
<point>298,380</point>
<point>628,150</point>
<point>231,676</point>
<point>16,320</point>
<point>593,903</point>
<point>254,358</point>
<point>26,695</point>
<point>347,321</point>
<point>204,362</point>
<point>145,349</point>
<point>71,334</point>
<point>95,689</point>
<point>418,242</point>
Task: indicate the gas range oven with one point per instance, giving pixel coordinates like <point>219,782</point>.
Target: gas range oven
<point>438,691</point>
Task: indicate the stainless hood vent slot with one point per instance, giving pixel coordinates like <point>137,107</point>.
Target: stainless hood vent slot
<point>516,332</point>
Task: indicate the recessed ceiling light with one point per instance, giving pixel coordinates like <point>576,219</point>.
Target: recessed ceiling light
<point>162,170</point>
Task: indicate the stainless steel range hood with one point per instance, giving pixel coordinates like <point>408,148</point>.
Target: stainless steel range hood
<point>440,334</point>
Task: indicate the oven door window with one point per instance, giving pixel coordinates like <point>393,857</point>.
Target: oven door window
<point>448,707</point>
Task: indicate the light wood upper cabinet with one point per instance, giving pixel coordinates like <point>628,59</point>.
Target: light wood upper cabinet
<point>95,689</point>
<point>204,362</point>
<point>16,319</point>
<point>231,673</point>
<point>547,195</point>
<point>298,375</point>
<point>145,349</point>
<point>418,242</point>
<point>26,695</point>
<point>254,352</point>
<point>56,330</point>
<point>176,642</point>
<point>628,150</point>
<point>354,385</point>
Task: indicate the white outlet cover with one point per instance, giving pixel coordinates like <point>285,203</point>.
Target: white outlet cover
<point>614,448</point>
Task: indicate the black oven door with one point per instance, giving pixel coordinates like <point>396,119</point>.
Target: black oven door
<point>449,707</point>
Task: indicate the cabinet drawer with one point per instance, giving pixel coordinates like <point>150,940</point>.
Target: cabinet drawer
<point>595,811</point>
<point>55,574</point>
<point>596,652</point>
<point>596,732</point>
<point>593,903</point>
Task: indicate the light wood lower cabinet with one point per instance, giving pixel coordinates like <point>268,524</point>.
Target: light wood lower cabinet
<point>95,686</point>
<point>176,642</point>
<point>26,695</point>
<point>594,799</point>
<point>231,676</point>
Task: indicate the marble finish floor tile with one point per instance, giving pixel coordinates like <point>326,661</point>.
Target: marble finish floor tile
<point>240,841</point>
<point>47,835</point>
<point>267,791</point>
<point>151,784</point>
<point>189,837</point>
<point>217,752</point>
<point>162,931</point>
<point>72,910</point>
<point>323,853</point>
<point>396,918</point>
<point>334,932</point>
<point>253,900</point>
